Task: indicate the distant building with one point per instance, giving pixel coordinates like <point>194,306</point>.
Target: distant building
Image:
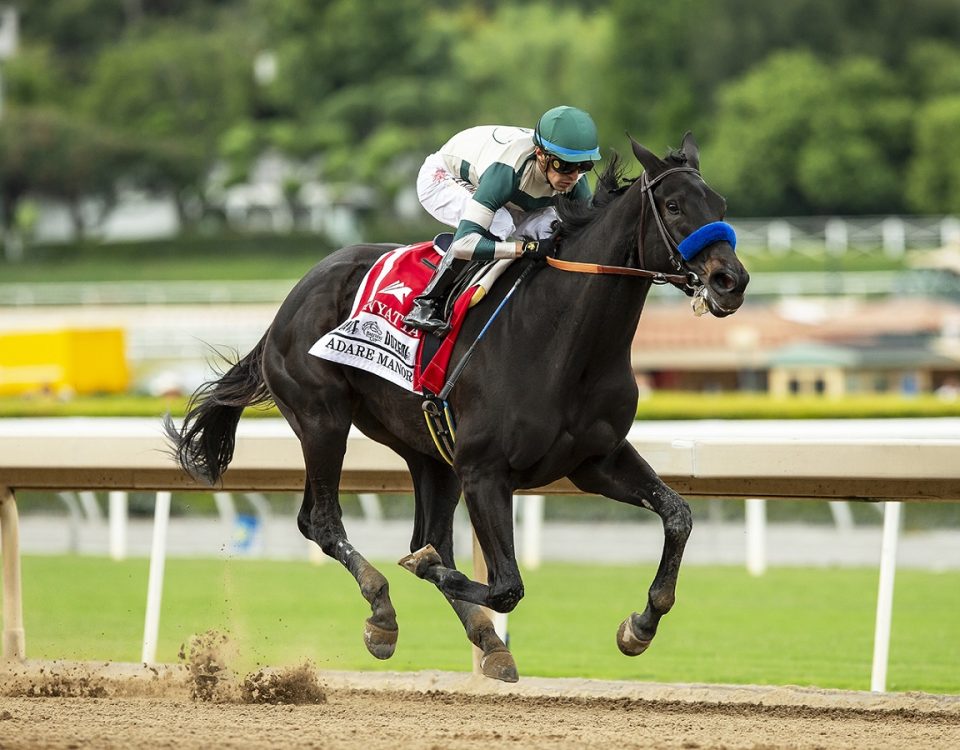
<point>827,346</point>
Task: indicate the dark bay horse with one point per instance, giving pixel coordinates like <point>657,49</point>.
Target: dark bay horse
<point>550,393</point>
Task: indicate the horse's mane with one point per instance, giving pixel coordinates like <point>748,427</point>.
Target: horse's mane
<point>611,184</point>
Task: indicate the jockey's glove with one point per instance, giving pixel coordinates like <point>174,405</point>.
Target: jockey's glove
<point>538,249</point>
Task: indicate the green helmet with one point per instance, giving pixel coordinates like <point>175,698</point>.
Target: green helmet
<point>568,133</point>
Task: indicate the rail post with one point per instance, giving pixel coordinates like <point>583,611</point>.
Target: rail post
<point>888,571</point>
<point>14,646</point>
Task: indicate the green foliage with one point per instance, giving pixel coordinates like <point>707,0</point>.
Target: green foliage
<point>852,158</point>
<point>54,155</point>
<point>791,626</point>
<point>163,86</point>
<point>932,69</point>
<point>508,76</point>
<point>357,84</point>
<point>32,78</point>
<point>933,183</point>
<point>801,106</point>
<point>76,31</point>
<point>843,158</point>
<point>763,120</point>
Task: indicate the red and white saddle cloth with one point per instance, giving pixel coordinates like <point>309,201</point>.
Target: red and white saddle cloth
<point>374,337</point>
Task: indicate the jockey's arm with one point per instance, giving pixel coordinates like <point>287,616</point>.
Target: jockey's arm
<point>473,240</point>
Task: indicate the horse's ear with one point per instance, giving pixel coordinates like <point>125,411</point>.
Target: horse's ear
<point>650,161</point>
<point>691,150</point>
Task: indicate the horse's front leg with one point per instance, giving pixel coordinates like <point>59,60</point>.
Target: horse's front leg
<point>437,491</point>
<point>489,500</point>
<point>623,475</point>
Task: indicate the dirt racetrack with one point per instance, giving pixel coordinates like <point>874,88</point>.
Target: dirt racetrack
<point>82,705</point>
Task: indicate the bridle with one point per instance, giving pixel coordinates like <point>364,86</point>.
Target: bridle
<point>693,281</point>
<point>685,279</point>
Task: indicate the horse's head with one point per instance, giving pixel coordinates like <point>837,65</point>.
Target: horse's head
<point>682,229</point>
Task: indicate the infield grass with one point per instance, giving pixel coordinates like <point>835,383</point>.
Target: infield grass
<point>789,627</point>
<point>658,405</point>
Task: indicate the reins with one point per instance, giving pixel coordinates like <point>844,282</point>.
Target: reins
<point>657,277</point>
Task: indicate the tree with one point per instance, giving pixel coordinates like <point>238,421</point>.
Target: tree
<point>514,75</point>
<point>762,124</point>
<point>857,148</point>
<point>796,136</point>
<point>173,84</point>
<point>45,153</point>
<point>75,31</point>
<point>932,70</point>
<point>933,181</point>
<point>648,88</point>
<point>31,78</point>
<point>178,93</point>
<point>359,86</point>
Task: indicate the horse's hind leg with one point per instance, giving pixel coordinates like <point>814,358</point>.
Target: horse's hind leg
<point>437,490</point>
<point>625,476</point>
<point>324,441</point>
<point>320,524</point>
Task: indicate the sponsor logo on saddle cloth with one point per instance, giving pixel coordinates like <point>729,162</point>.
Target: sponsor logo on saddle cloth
<point>374,337</point>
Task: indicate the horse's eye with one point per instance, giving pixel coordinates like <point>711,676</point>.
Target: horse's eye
<point>673,207</point>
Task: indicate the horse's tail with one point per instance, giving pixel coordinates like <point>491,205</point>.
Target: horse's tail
<point>203,445</point>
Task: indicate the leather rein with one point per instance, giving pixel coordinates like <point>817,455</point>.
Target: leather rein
<point>687,280</point>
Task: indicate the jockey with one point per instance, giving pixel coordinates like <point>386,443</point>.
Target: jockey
<point>495,182</point>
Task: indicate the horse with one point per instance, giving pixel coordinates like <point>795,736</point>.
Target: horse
<point>549,393</point>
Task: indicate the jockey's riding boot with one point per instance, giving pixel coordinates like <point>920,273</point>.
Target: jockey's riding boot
<point>427,313</point>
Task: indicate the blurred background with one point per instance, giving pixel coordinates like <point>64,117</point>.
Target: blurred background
<point>170,168</point>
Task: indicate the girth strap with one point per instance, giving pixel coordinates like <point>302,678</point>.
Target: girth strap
<point>440,424</point>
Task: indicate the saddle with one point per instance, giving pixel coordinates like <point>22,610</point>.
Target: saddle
<point>375,339</point>
<point>474,279</point>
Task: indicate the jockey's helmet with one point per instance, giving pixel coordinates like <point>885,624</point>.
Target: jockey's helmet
<point>568,133</point>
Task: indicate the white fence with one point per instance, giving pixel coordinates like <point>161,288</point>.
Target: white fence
<point>708,459</point>
<point>838,235</point>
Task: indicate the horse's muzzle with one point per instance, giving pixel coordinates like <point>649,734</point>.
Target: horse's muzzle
<point>724,284</point>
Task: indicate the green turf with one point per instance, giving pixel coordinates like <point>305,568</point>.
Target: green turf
<point>792,626</point>
<point>659,405</point>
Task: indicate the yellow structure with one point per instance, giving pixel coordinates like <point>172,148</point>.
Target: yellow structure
<point>81,361</point>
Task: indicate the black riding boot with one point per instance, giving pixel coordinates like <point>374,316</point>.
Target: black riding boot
<point>427,313</point>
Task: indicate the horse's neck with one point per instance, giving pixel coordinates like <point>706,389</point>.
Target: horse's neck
<point>604,310</point>
<point>612,239</point>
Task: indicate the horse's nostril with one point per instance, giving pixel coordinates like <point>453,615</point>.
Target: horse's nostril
<point>722,281</point>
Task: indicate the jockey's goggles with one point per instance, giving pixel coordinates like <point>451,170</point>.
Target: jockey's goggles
<point>568,167</point>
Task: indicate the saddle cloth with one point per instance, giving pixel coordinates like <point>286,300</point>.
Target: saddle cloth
<point>374,338</point>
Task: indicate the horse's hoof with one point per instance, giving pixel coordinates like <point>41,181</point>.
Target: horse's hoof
<point>379,642</point>
<point>418,562</point>
<point>628,642</point>
<point>499,665</point>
